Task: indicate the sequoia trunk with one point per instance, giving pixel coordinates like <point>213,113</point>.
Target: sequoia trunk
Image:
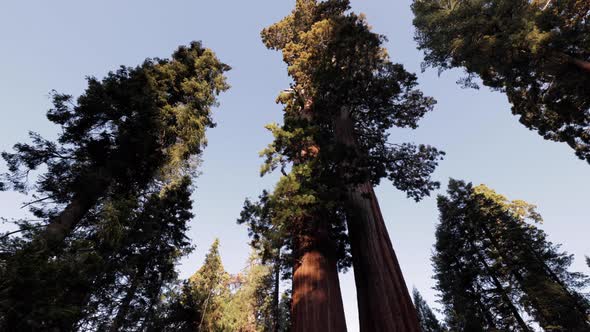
<point>317,302</point>
<point>384,302</point>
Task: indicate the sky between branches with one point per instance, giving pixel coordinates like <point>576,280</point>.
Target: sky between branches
<point>54,45</point>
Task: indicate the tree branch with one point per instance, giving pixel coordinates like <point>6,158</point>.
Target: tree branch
<point>36,201</point>
<point>19,231</point>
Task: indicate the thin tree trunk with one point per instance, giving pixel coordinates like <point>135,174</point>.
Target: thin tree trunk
<point>125,304</point>
<point>483,309</point>
<point>276,294</point>
<point>384,302</point>
<point>317,302</point>
<point>62,225</point>
<point>551,275</point>
<point>503,294</point>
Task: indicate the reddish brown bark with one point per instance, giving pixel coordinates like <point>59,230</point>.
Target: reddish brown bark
<point>584,65</point>
<point>317,302</point>
<point>384,302</point>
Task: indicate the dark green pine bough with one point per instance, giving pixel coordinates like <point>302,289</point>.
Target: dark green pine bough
<point>535,51</point>
<point>112,196</point>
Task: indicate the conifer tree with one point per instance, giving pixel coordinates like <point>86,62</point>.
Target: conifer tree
<point>123,131</point>
<point>127,138</point>
<point>250,307</point>
<point>492,265</point>
<point>141,262</point>
<point>208,288</point>
<point>427,319</point>
<point>345,96</point>
<point>536,51</point>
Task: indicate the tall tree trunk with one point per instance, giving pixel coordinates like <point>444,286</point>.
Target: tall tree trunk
<point>317,302</point>
<point>384,301</point>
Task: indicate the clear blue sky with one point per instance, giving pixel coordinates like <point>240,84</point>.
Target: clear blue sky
<point>55,44</point>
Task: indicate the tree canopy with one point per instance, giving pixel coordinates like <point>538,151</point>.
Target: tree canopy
<point>536,51</point>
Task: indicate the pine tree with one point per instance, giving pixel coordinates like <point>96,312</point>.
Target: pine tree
<point>208,289</point>
<point>536,51</point>
<point>250,307</point>
<point>128,136</point>
<point>269,242</point>
<point>346,95</point>
<point>427,319</point>
<point>141,262</point>
<point>492,265</point>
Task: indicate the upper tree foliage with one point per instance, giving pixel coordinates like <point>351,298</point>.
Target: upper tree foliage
<point>428,321</point>
<point>536,51</point>
<point>112,196</point>
<point>492,265</point>
<point>339,65</point>
<point>207,290</point>
<point>132,127</point>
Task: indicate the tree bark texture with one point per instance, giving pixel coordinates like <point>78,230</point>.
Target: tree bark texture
<point>384,302</point>
<point>317,302</point>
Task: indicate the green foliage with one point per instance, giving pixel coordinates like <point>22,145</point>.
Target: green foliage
<point>250,307</point>
<point>427,319</point>
<point>119,174</point>
<point>491,265</point>
<point>338,64</point>
<point>208,289</point>
<point>537,52</point>
<point>213,300</point>
<point>142,264</point>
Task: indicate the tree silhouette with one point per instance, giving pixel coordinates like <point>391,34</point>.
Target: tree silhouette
<point>537,52</point>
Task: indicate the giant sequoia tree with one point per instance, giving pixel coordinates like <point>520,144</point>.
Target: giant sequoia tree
<point>536,51</point>
<point>345,96</point>
<point>492,266</point>
<point>126,147</point>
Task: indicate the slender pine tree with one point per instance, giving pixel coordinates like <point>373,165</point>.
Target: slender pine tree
<point>492,266</point>
<point>426,317</point>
